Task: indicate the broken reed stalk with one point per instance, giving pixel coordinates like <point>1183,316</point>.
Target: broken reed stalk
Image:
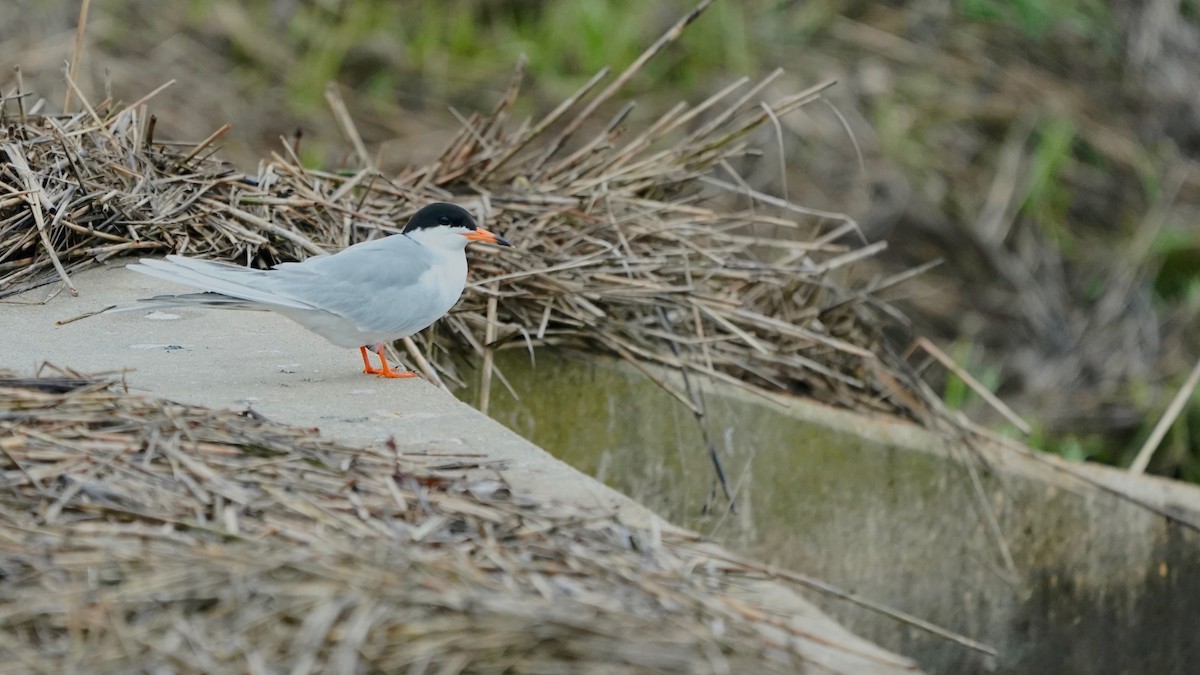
<point>489,353</point>
<point>1142,460</point>
<point>975,385</point>
<point>77,52</point>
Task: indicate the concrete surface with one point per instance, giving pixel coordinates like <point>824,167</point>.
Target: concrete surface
<point>1097,583</point>
<point>257,359</point>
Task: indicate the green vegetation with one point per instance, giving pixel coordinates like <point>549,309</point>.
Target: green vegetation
<point>1048,196</point>
<point>1035,19</point>
<point>456,45</point>
<point>1178,278</point>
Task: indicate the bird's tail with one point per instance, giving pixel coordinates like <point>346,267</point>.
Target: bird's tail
<point>209,300</point>
<point>226,286</point>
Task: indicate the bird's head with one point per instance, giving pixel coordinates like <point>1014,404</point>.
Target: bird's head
<point>448,226</point>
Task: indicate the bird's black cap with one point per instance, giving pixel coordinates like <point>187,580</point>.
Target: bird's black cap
<point>440,214</point>
<point>449,215</point>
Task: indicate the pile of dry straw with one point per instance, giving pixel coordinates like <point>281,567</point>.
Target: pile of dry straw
<point>144,535</point>
<point>626,240</point>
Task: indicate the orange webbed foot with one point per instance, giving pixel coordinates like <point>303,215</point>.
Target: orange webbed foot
<point>386,370</point>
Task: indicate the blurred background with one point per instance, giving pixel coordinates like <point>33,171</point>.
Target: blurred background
<point>1045,150</point>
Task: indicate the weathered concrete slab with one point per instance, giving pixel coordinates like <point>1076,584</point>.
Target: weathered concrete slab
<point>1069,568</point>
<point>240,359</point>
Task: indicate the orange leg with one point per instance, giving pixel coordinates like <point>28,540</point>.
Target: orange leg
<point>367,368</point>
<point>386,371</point>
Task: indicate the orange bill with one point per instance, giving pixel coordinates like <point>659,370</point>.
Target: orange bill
<point>486,237</point>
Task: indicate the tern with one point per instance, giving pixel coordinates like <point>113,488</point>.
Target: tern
<point>363,296</point>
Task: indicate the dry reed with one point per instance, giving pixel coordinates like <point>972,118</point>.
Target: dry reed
<point>627,240</point>
<point>142,535</point>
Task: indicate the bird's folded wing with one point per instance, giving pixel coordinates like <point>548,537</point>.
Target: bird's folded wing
<point>241,283</point>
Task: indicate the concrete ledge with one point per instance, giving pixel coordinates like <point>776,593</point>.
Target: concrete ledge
<point>1095,582</point>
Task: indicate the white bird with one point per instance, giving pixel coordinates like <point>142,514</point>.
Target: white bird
<point>363,296</point>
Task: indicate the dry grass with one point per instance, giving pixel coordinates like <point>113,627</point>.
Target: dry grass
<point>627,242</point>
<point>149,536</point>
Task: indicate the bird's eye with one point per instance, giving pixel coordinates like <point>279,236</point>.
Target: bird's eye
<point>444,220</point>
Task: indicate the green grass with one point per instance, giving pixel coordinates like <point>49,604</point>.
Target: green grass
<point>325,38</point>
<point>1073,446</point>
<point>1178,277</point>
<point>1047,195</point>
<point>1037,18</point>
<point>444,46</point>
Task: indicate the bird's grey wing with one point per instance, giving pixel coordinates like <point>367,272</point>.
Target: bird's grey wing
<point>362,283</point>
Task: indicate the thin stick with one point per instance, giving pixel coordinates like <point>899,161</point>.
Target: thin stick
<point>783,176</point>
<point>993,522</point>
<point>858,153</point>
<point>489,353</point>
<point>426,368</point>
<point>74,86</point>
<point>777,202</point>
<point>1164,423</point>
<point>155,92</point>
<point>207,142</point>
<point>549,119</point>
<point>699,413</point>
<point>974,384</point>
<point>63,322</point>
<point>77,52</point>
<point>148,145</point>
<point>20,98</point>
<point>342,114</point>
<point>852,598</point>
